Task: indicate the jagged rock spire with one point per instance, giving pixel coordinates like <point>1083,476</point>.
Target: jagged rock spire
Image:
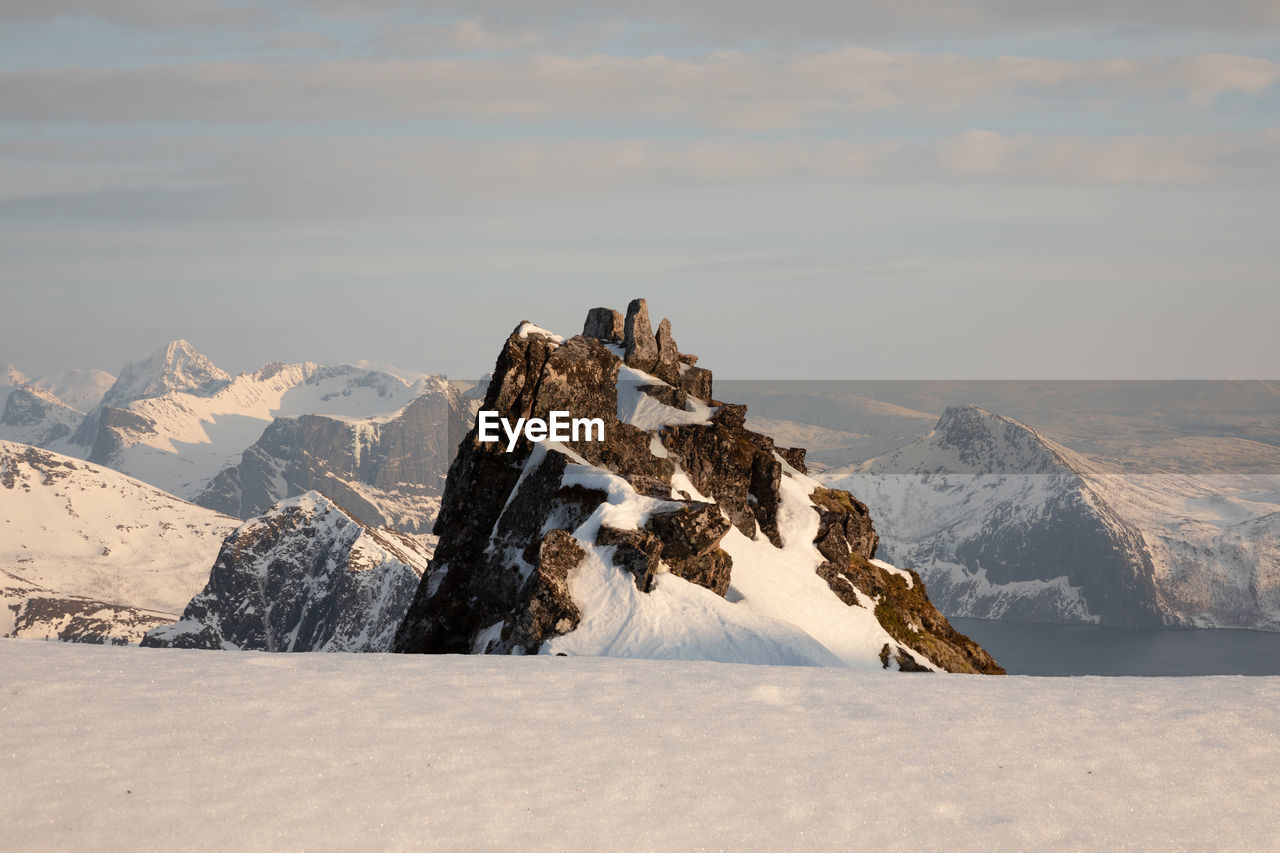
<point>641,345</point>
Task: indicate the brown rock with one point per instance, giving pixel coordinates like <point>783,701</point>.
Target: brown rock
<point>604,324</point>
<point>641,345</point>
<point>668,367</point>
<point>691,531</point>
<point>546,608</point>
<point>637,551</point>
<point>711,570</point>
<point>696,381</point>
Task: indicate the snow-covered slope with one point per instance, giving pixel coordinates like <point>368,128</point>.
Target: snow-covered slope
<point>1214,540</point>
<point>70,529</point>
<point>1005,523</point>
<point>127,748</point>
<point>677,534</point>
<point>32,612</point>
<point>303,577</point>
<point>1000,523</point>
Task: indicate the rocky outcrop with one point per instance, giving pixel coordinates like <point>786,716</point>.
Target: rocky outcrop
<point>385,472</point>
<point>604,324</point>
<point>638,340</point>
<point>676,492</point>
<point>305,576</point>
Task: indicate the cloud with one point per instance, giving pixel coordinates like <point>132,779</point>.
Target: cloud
<point>724,89</point>
<point>725,20</point>
<point>377,177</point>
<point>135,13</point>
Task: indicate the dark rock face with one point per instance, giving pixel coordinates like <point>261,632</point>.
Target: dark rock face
<point>844,528</point>
<point>499,581</point>
<point>687,540</point>
<point>111,426</point>
<point>696,382</point>
<point>404,460</point>
<point>545,606</point>
<point>734,465</point>
<point>306,576</point>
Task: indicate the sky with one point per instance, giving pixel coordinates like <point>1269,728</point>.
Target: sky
<point>817,189</point>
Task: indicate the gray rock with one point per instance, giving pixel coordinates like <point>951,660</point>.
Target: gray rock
<point>306,576</point>
<point>641,345</point>
<point>668,366</point>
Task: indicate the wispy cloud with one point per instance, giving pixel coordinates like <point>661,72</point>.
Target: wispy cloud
<point>351,178</point>
<point>727,89</point>
<point>841,20</point>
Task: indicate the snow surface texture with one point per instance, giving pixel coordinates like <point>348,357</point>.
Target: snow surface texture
<point>340,752</point>
<point>81,530</point>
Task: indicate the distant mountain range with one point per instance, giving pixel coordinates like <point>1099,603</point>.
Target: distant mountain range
<point>1125,504</point>
<point>376,441</point>
<point>115,506</point>
<point>1005,523</point>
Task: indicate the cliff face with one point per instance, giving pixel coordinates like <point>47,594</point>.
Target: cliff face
<point>681,534</point>
<point>305,576</point>
<point>385,471</point>
<point>1004,523</point>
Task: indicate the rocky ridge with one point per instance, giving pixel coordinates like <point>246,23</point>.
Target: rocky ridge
<point>386,471</point>
<point>728,550</point>
<point>304,576</point>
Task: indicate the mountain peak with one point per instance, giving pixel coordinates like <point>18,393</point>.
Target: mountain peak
<point>672,531</point>
<point>177,366</point>
<point>10,375</point>
<point>970,440</point>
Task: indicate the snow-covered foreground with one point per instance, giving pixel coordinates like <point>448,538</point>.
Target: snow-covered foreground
<point>112,748</point>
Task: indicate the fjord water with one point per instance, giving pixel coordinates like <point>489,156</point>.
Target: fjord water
<point>1025,648</point>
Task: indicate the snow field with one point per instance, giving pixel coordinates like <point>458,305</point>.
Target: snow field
<point>116,748</point>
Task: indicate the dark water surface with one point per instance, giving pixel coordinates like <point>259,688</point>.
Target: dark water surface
<point>1024,648</point>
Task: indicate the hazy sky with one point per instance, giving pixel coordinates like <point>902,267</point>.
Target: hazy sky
<point>810,189</point>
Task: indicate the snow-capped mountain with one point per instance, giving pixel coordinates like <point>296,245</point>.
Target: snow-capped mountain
<point>305,576</point>
<point>678,534</point>
<point>79,542</point>
<point>1006,523</point>
<point>200,420</point>
<point>1002,526</point>
<point>386,471</point>
<point>80,389</point>
<point>176,367</point>
<point>34,415</point>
